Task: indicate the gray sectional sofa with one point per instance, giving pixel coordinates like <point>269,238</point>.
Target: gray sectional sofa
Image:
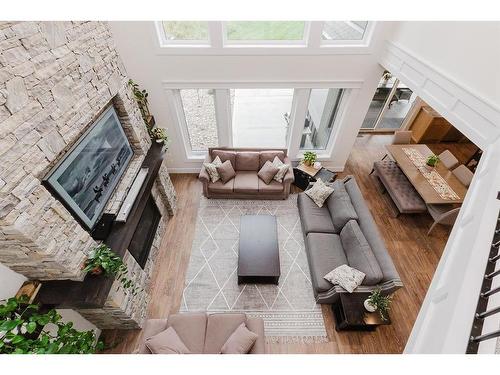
<point>335,234</point>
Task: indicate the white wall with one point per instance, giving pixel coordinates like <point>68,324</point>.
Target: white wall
<point>139,49</point>
<point>10,282</point>
<point>468,52</point>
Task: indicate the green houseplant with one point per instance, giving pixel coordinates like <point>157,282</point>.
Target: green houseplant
<point>377,301</point>
<point>432,160</point>
<point>309,158</point>
<point>24,329</point>
<point>141,97</point>
<point>103,260</point>
<point>159,135</point>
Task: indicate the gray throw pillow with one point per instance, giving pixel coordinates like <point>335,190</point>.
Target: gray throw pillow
<point>240,341</point>
<point>226,171</point>
<point>167,342</point>
<point>267,172</point>
<point>359,253</point>
<point>319,192</point>
<point>340,206</point>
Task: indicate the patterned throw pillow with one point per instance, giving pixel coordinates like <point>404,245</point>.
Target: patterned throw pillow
<point>212,169</point>
<point>319,192</point>
<point>347,277</point>
<point>283,168</point>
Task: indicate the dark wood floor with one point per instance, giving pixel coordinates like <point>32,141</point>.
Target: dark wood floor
<point>414,253</point>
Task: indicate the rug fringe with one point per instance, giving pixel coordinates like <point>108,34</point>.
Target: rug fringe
<point>297,339</point>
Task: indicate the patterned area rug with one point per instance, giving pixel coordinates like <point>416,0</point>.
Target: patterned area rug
<point>289,310</point>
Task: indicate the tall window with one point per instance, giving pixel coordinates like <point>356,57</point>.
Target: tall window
<point>343,30</point>
<point>260,117</point>
<point>185,32</point>
<point>255,31</point>
<point>320,118</point>
<point>198,107</point>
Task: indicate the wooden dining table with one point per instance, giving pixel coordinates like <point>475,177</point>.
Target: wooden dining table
<point>417,179</point>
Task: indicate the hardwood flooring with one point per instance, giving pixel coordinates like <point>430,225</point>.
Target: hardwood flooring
<point>414,253</point>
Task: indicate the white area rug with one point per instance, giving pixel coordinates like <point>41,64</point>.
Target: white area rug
<point>289,310</point>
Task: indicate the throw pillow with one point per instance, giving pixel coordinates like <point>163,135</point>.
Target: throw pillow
<point>212,169</point>
<point>283,168</point>
<point>347,277</point>
<point>359,253</point>
<point>167,342</point>
<point>226,171</point>
<point>267,172</point>
<point>240,341</point>
<point>340,206</point>
<point>319,192</point>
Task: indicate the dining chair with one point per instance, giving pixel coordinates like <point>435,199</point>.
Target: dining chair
<point>448,159</point>
<point>400,137</point>
<point>463,174</point>
<point>445,214</point>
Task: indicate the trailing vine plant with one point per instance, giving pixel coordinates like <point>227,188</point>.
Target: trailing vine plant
<point>24,329</point>
<point>103,260</point>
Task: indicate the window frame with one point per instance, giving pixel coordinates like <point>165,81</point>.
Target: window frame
<point>311,44</point>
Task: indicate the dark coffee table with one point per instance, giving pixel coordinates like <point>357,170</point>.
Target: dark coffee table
<point>258,258</point>
<point>350,314</point>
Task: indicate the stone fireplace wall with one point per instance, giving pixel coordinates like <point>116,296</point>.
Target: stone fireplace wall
<point>55,78</point>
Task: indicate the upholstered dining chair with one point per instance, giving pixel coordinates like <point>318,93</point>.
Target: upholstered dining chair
<point>400,137</point>
<point>463,174</point>
<point>445,214</point>
<point>448,159</point>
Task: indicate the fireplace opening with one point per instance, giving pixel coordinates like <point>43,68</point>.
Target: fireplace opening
<point>144,234</point>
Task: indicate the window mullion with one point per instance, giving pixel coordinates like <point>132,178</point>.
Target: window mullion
<point>215,34</point>
<point>314,37</point>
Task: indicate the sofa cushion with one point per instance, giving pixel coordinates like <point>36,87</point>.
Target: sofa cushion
<point>256,325</point>
<point>226,171</point>
<point>225,155</point>
<point>312,217</point>
<point>240,341</point>
<point>273,187</point>
<point>219,328</point>
<point>247,161</point>
<point>325,253</point>
<point>340,206</point>
<point>270,155</point>
<point>221,187</point>
<point>211,169</point>
<point>191,328</point>
<point>283,169</point>
<point>167,342</point>
<point>347,277</point>
<point>246,182</point>
<point>359,253</point>
<point>319,193</point>
<point>152,327</point>
<point>267,172</point>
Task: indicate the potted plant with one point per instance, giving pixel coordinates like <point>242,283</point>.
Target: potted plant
<point>141,97</point>
<point>379,302</point>
<point>24,329</point>
<point>386,76</point>
<point>159,135</point>
<point>102,260</point>
<point>309,158</point>
<point>432,161</point>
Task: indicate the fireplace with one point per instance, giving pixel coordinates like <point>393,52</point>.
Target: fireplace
<point>144,234</point>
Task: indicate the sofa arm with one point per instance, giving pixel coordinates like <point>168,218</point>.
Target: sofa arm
<point>256,325</point>
<point>151,328</point>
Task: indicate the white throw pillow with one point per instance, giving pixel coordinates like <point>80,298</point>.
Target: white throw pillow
<point>347,277</point>
<point>319,192</point>
<point>283,168</point>
<point>212,169</point>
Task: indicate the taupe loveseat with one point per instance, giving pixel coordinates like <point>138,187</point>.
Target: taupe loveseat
<point>246,184</point>
<point>204,333</point>
<point>324,245</point>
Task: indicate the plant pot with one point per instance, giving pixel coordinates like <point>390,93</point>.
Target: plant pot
<point>96,271</point>
<point>368,306</point>
<point>430,168</point>
<point>159,140</point>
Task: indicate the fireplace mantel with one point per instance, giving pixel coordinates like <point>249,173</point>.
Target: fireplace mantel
<point>92,292</point>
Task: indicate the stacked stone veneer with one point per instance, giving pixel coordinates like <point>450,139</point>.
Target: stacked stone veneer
<point>55,79</point>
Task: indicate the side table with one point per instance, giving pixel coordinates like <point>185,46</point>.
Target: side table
<point>350,314</point>
<point>304,175</point>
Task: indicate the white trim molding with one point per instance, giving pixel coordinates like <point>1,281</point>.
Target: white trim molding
<point>444,322</point>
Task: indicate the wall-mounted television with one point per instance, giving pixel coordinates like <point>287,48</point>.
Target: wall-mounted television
<point>87,175</point>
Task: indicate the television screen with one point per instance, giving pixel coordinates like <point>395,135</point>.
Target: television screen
<point>86,177</point>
